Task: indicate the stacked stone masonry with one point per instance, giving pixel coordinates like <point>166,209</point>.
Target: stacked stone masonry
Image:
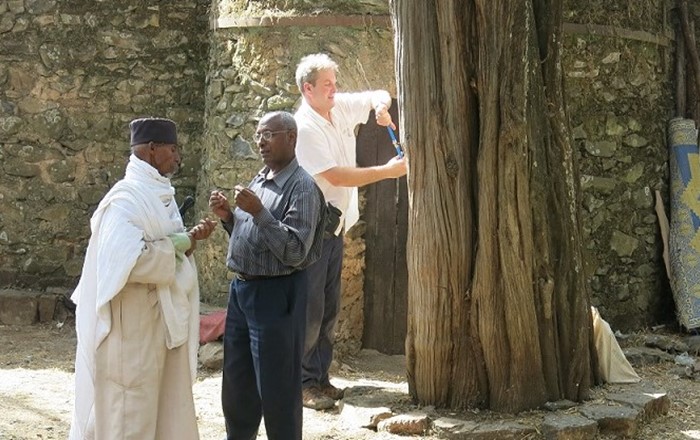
<point>72,74</point>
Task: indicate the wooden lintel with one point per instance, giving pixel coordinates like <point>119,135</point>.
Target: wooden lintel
<point>618,32</point>
<point>385,21</point>
<point>304,21</point>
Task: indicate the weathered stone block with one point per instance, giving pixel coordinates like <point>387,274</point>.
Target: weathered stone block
<point>280,102</point>
<point>211,355</point>
<point>635,141</point>
<point>614,420</point>
<point>449,426</point>
<point>16,6</point>
<point>600,148</point>
<point>605,185</point>
<point>62,171</point>
<point>92,195</point>
<point>405,424</point>
<point>693,343</point>
<point>366,406</point>
<point>559,405</point>
<point>666,343</point>
<point>568,427</point>
<point>241,149</point>
<point>499,431</point>
<point>18,308</point>
<point>623,244</point>
<point>46,307</point>
<point>37,7</point>
<point>653,404</point>
<point>22,169</point>
<point>639,356</point>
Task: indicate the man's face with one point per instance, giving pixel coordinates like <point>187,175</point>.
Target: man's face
<point>276,144</point>
<point>165,158</point>
<point>321,95</point>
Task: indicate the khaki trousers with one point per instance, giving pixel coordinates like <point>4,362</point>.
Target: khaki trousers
<point>142,390</point>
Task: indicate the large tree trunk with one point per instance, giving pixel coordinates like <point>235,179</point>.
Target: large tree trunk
<point>498,303</point>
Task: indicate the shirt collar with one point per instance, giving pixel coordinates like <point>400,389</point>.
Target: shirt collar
<point>315,115</point>
<point>280,178</point>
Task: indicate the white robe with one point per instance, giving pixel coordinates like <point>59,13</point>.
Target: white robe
<point>139,210</point>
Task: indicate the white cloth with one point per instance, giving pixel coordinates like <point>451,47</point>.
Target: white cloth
<point>139,208</point>
<point>612,363</point>
<point>322,145</point>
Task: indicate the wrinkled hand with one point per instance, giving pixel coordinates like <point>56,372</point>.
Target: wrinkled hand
<point>383,117</point>
<point>204,229</point>
<point>396,167</point>
<point>219,205</point>
<point>200,232</point>
<point>247,200</point>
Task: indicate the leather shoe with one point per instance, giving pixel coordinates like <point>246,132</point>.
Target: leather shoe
<point>334,393</point>
<point>313,398</point>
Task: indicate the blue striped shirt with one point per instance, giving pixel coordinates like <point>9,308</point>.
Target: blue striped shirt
<point>285,235</point>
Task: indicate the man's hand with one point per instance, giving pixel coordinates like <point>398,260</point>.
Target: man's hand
<point>200,232</point>
<point>382,116</point>
<point>219,205</point>
<point>247,200</point>
<point>204,229</point>
<point>395,168</point>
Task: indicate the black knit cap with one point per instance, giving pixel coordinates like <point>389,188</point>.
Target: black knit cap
<point>158,130</point>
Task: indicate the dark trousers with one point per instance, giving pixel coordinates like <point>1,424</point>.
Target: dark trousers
<point>263,347</point>
<point>323,306</point>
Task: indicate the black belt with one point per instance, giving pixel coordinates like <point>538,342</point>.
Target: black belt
<point>327,234</point>
<point>246,277</point>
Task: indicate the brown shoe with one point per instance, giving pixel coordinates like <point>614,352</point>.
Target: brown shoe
<point>313,398</point>
<point>332,392</point>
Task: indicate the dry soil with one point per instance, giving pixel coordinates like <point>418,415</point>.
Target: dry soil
<point>36,392</point>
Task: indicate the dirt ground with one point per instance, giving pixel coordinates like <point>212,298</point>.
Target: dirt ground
<point>36,392</point>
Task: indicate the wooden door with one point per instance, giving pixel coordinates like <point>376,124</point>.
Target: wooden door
<point>386,216</point>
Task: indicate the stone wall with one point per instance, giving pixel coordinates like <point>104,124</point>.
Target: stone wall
<point>251,72</point>
<point>72,75</point>
<point>619,90</point>
<point>619,99</point>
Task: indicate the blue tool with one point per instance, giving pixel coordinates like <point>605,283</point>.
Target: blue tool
<point>397,145</point>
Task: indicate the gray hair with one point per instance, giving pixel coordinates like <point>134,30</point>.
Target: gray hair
<point>286,119</point>
<point>310,65</point>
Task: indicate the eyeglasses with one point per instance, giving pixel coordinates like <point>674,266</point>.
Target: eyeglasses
<point>267,135</point>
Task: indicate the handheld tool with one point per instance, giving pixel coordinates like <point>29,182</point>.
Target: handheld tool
<point>397,145</point>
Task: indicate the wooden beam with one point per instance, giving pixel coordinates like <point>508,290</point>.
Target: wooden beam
<point>303,21</point>
<point>681,92</point>
<point>385,21</point>
<point>617,32</point>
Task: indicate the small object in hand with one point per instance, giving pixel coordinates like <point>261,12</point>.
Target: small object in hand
<point>397,145</point>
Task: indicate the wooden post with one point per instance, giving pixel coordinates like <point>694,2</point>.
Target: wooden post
<point>680,78</point>
<point>689,36</point>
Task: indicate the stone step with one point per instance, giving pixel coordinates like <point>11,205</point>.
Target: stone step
<point>618,415</point>
<point>27,307</point>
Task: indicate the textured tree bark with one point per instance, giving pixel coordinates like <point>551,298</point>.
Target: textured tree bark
<point>499,312</point>
<point>680,77</point>
<point>688,28</point>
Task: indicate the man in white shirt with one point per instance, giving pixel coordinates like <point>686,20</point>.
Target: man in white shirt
<point>326,123</point>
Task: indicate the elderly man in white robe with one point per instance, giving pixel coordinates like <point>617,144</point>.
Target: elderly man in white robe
<point>137,314</point>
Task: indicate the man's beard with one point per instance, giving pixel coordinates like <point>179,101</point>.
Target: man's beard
<point>172,174</point>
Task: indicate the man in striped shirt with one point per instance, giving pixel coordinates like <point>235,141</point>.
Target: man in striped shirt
<point>276,231</point>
